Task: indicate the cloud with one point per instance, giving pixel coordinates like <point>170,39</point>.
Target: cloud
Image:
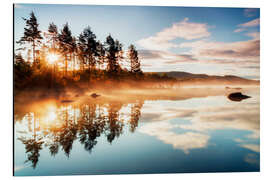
<point>252,147</point>
<point>184,29</point>
<point>20,167</point>
<point>240,56</point>
<point>250,12</point>
<point>201,51</point>
<point>166,56</point>
<point>239,30</point>
<point>186,141</point>
<point>155,58</point>
<point>254,35</point>
<point>244,26</point>
<point>255,22</point>
<point>245,50</point>
<point>227,116</point>
<point>193,121</point>
<point>252,159</point>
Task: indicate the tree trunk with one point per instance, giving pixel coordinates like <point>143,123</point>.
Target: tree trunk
<point>89,70</point>
<point>34,52</point>
<point>73,60</point>
<point>65,65</point>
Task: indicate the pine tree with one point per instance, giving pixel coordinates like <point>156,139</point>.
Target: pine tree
<point>52,28</point>
<point>66,44</point>
<point>114,54</point>
<point>87,46</point>
<point>32,34</point>
<point>135,65</point>
<point>73,52</point>
<point>101,54</point>
<point>53,35</point>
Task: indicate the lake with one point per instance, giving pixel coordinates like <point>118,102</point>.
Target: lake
<point>188,130</point>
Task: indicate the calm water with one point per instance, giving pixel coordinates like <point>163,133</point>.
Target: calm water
<point>137,135</point>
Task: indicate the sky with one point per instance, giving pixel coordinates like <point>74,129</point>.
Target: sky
<point>202,40</point>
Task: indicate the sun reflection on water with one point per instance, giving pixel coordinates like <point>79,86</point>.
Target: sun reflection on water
<point>185,125</point>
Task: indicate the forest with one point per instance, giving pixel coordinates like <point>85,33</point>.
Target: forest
<point>56,59</point>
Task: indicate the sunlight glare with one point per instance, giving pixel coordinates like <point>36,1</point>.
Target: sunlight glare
<point>51,115</point>
<point>52,58</point>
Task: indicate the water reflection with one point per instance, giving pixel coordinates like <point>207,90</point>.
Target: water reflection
<point>197,118</point>
<point>183,122</point>
<point>57,126</point>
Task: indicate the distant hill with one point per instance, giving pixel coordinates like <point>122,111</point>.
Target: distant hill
<point>190,78</point>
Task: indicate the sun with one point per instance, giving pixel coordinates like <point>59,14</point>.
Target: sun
<point>52,58</point>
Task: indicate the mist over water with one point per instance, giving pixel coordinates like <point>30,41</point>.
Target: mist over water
<point>137,131</point>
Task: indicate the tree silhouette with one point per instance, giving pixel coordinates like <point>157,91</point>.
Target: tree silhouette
<point>33,144</point>
<point>101,54</point>
<point>90,127</point>
<point>32,34</point>
<point>22,71</point>
<point>32,148</point>
<point>135,115</point>
<point>68,131</point>
<point>94,119</point>
<point>88,48</point>
<point>53,36</point>
<point>66,138</point>
<point>114,54</point>
<point>73,52</point>
<point>82,50</point>
<point>135,65</point>
<point>114,125</point>
<point>54,148</point>
<point>66,44</point>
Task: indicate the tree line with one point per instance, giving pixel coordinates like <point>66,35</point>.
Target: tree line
<point>84,51</point>
<point>82,58</point>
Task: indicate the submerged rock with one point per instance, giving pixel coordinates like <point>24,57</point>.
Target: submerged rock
<point>229,88</point>
<point>66,101</point>
<point>237,96</point>
<point>94,95</point>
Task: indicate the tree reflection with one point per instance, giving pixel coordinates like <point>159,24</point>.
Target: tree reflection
<point>85,122</point>
<point>33,144</point>
<point>67,136</point>
<point>114,124</point>
<point>90,126</point>
<point>54,148</point>
<point>32,148</point>
<point>135,115</point>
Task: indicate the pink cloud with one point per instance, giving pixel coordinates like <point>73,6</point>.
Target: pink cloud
<point>239,30</point>
<point>252,23</point>
<point>184,29</point>
<point>165,56</point>
<point>244,26</point>
<point>238,58</point>
<point>241,50</point>
<point>254,35</point>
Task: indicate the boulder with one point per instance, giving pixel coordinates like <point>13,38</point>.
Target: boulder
<point>94,95</point>
<point>237,96</point>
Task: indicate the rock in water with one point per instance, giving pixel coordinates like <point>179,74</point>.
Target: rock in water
<point>229,88</point>
<point>237,96</point>
<point>66,101</point>
<point>94,95</point>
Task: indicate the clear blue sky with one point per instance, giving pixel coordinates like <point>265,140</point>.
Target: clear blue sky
<point>195,35</point>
